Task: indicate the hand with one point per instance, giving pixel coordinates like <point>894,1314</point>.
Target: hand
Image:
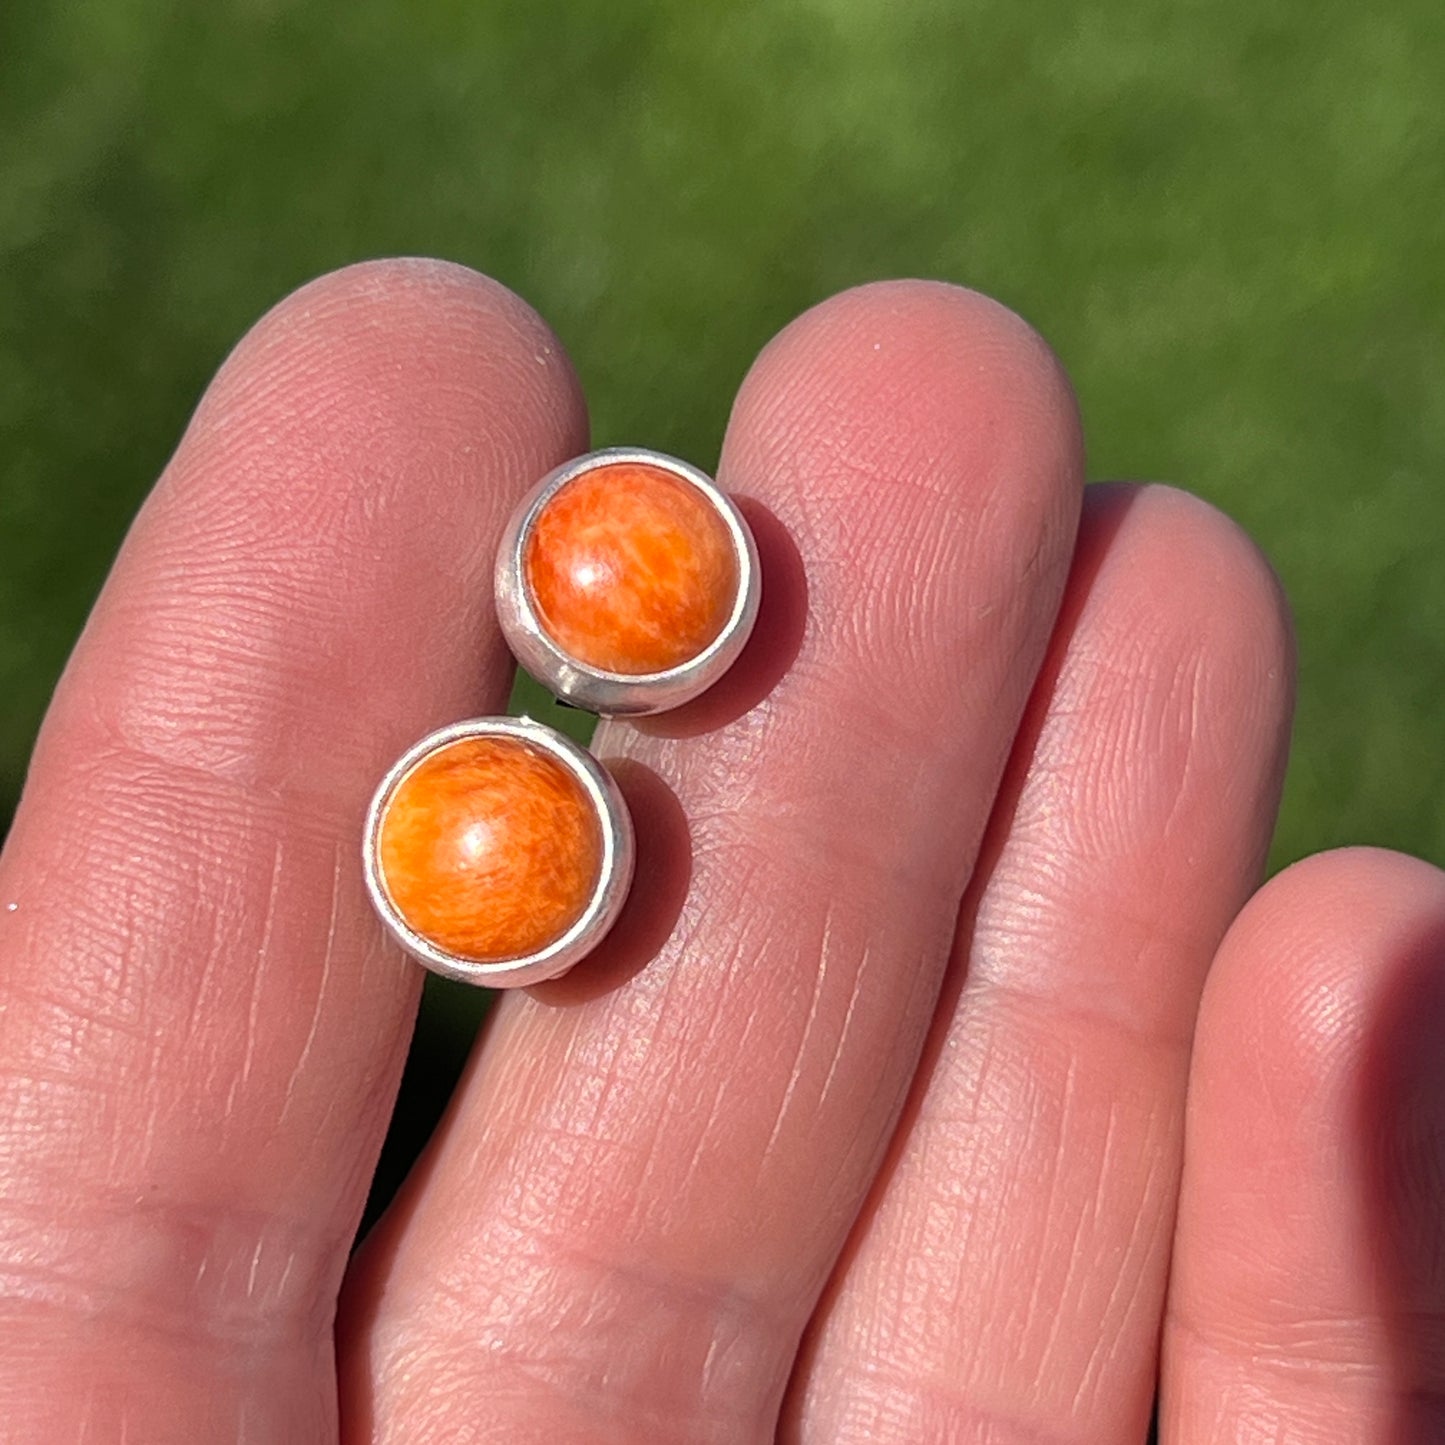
<point>871,1117</point>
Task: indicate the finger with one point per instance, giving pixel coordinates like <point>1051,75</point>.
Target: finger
<point>1309,1282</point>
<point>1006,1282</point>
<point>202,1029</point>
<point>628,1214</point>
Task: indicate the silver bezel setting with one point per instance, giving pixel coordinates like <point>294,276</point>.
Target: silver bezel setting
<point>615,694</point>
<point>614,879</point>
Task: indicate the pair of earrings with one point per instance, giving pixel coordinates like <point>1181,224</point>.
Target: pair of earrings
<point>497,851</point>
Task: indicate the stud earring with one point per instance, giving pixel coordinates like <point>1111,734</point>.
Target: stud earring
<point>627,582</point>
<point>498,852</point>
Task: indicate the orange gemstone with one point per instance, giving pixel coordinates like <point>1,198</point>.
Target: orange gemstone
<point>490,848</point>
<point>631,569</point>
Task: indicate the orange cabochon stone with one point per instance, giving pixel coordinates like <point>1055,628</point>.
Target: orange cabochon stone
<point>631,569</point>
<point>490,848</point>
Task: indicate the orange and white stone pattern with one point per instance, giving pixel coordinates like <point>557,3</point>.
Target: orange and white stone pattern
<point>631,570</point>
<point>490,848</point>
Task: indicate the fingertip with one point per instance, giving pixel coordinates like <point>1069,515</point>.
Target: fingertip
<point>1308,980</point>
<point>407,334</point>
<point>1193,589</point>
<point>1306,964</point>
<point>925,363</point>
<point>1149,762</point>
<point>1341,898</point>
<point>926,319</point>
<point>1307,1259</point>
<point>1226,564</point>
<point>409,294</point>
<point>922,446</point>
<point>335,500</point>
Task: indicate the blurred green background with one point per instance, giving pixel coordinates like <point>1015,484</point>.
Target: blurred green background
<point>1226,217</point>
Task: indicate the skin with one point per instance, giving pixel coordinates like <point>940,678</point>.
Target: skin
<point>947,1079</point>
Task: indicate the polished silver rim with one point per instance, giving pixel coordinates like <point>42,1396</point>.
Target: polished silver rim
<point>616,694</point>
<point>613,880</point>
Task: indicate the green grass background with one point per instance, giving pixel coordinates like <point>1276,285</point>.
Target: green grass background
<point>1226,216</point>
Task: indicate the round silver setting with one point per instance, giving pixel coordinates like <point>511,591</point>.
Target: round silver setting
<point>614,877</point>
<point>616,694</point>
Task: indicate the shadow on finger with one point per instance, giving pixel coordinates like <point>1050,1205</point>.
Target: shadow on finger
<point>1400,1138</point>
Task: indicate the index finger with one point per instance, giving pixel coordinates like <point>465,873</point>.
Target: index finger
<point>202,1032</point>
